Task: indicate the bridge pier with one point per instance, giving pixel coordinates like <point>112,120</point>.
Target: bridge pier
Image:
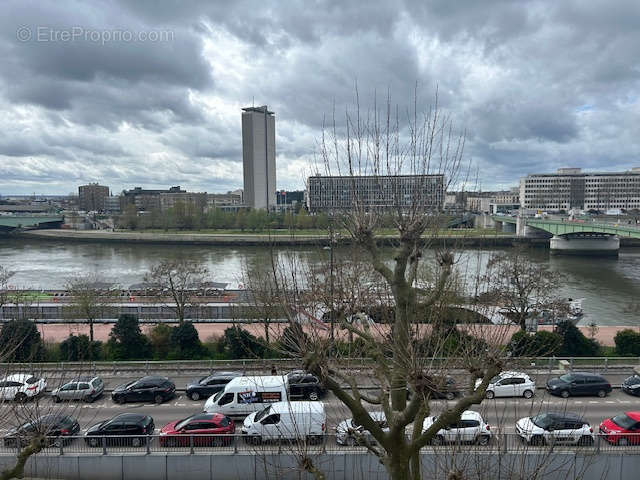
<point>584,244</point>
<point>508,227</point>
<point>483,221</point>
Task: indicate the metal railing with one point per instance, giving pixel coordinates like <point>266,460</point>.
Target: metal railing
<point>538,363</point>
<point>232,444</point>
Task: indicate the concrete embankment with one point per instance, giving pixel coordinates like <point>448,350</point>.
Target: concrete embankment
<point>249,239</point>
<point>355,464</point>
<point>459,239</point>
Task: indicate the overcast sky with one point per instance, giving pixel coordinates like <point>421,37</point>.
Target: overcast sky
<point>148,93</point>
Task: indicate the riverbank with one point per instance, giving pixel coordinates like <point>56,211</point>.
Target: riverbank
<point>460,238</point>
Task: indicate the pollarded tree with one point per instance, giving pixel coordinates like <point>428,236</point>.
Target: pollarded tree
<point>180,279</point>
<point>381,146</point>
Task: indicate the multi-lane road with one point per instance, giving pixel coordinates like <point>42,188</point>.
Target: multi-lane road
<point>501,414</point>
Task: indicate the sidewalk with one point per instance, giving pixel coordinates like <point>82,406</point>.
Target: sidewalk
<point>56,332</point>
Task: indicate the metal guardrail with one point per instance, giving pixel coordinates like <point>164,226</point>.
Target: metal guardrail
<point>603,364</point>
<point>230,444</point>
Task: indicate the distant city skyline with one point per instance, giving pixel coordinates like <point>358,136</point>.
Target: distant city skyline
<point>537,86</point>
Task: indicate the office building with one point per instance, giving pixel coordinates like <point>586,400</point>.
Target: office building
<point>326,193</point>
<point>91,197</point>
<point>112,204</point>
<point>570,188</point>
<point>193,200</point>
<point>145,200</point>
<point>220,200</point>
<point>259,157</point>
<point>291,198</point>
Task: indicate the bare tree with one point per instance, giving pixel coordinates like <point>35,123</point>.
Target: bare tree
<point>180,279</point>
<point>404,352</point>
<point>5,275</point>
<point>90,299</point>
<point>523,287</point>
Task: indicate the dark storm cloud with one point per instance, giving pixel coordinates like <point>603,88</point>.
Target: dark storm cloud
<point>537,85</point>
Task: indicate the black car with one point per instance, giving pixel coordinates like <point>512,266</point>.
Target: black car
<point>207,386</point>
<point>54,427</point>
<point>302,384</point>
<point>437,386</point>
<point>579,383</point>
<point>147,389</point>
<point>121,430</point>
<point>631,385</point>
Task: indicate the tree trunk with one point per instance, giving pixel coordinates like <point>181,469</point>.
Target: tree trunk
<point>18,469</point>
<point>398,466</point>
<point>400,349</point>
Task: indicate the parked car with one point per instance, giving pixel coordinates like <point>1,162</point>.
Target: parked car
<point>471,428</point>
<point>54,427</point>
<point>121,430</point>
<point>21,387</point>
<point>212,384</point>
<point>510,384</point>
<point>631,385</point>
<point>286,421</point>
<point>302,384</point>
<point>555,427</point>
<point>349,432</point>
<point>82,388</point>
<point>622,429</point>
<point>147,389</point>
<point>436,386</point>
<point>579,383</point>
<point>179,433</point>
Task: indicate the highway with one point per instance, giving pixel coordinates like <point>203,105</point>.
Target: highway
<point>500,413</point>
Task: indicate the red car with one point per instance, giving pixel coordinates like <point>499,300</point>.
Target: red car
<point>622,429</point>
<point>206,429</point>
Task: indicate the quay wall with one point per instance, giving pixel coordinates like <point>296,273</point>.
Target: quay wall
<point>249,239</point>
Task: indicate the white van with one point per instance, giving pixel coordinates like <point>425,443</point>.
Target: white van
<point>245,395</point>
<point>286,421</point>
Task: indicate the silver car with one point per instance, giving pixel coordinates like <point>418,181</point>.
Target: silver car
<point>349,432</point>
<point>82,388</point>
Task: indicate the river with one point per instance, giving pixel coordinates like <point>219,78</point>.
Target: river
<point>610,287</point>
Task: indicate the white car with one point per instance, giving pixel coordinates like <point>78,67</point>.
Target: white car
<point>471,428</point>
<point>510,384</point>
<point>349,432</point>
<point>561,427</point>
<point>21,386</point>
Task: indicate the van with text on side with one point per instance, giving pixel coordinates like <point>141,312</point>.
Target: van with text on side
<point>245,395</point>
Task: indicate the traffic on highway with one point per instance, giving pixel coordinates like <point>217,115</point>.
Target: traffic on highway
<point>227,410</point>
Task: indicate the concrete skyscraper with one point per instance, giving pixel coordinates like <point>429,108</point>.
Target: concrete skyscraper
<point>259,157</point>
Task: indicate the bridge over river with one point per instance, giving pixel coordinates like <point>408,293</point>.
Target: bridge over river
<point>13,222</point>
<point>571,236</point>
